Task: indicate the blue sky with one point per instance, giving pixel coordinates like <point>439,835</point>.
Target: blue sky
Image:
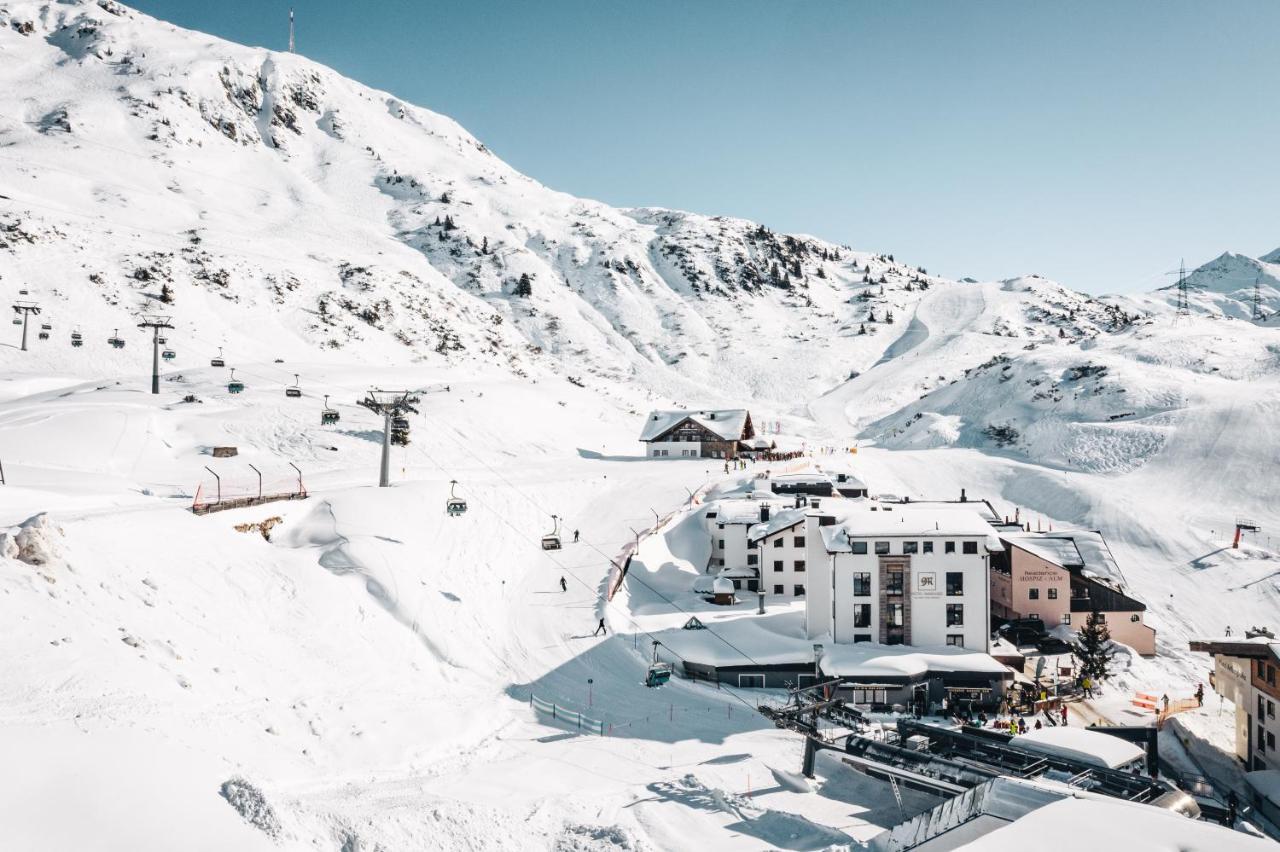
<point>1093,142</point>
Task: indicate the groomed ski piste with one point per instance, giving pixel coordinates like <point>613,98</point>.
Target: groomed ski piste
<point>376,675</point>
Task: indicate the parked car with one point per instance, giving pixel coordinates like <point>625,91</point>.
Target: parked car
<point>1053,645</point>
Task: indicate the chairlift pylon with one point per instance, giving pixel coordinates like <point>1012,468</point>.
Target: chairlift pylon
<point>455,504</point>
<point>217,362</point>
<point>234,386</point>
<point>294,390</point>
<point>551,541</point>
<point>329,416</point>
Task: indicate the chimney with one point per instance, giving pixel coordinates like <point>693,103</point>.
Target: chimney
<point>764,512</point>
<point>963,498</point>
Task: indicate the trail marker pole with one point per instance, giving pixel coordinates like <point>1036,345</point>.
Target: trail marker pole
<point>218,479</point>
<point>255,470</point>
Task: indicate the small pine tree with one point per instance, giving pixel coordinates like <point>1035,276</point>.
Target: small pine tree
<point>888,316</point>
<point>1091,648</point>
<point>166,294</point>
<point>437,222</point>
<point>448,223</point>
<point>444,198</point>
<point>821,273</point>
<point>871,315</point>
<point>524,287</point>
<point>484,246</point>
<point>862,328</point>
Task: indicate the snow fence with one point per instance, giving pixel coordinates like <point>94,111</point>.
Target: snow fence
<point>564,714</point>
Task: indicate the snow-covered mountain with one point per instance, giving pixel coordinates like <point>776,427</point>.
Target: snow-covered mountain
<point>369,666</point>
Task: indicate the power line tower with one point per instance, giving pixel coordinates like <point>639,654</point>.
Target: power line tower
<point>1184,306</point>
<point>155,323</point>
<point>291,29</point>
<point>391,405</point>
<point>26,309</point>
<point>1257,298</point>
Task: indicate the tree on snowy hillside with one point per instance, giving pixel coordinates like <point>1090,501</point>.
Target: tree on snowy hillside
<point>166,294</point>
<point>1092,647</point>
<point>524,287</point>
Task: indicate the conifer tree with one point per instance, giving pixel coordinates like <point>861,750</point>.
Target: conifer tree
<point>166,294</point>
<point>1092,649</point>
<point>524,287</point>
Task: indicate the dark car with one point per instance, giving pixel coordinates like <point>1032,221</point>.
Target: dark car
<point>1053,645</point>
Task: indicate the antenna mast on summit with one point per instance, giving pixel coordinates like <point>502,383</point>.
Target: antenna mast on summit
<point>291,29</point>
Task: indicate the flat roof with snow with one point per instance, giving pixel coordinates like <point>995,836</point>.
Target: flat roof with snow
<point>905,520</point>
<point>1081,744</point>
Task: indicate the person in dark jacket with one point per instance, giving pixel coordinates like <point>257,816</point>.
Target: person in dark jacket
<point>601,629</point>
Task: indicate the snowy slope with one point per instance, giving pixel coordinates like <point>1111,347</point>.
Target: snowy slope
<point>369,669</point>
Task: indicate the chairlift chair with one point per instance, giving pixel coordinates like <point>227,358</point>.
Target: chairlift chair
<point>161,341</point>
<point>218,362</point>
<point>551,541</point>
<point>115,339</point>
<point>77,339</point>
<point>17,320</point>
<point>168,354</point>
<point>455,505</point>
<point>44,335</point>
<point>234,386</point>
<point>44,326</point>
<point>293,390</point>
<point>659,673</point>
<point>329,416</point>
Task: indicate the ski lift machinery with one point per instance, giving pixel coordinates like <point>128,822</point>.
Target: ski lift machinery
<point>294,390</point>
<point>659,673</point>
<point>455,505</point>
<point>551,541</point>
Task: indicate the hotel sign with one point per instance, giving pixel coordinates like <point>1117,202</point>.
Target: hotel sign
<point>927,584</point>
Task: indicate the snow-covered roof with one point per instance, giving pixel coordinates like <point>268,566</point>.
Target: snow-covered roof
<point>1083,549</point>
<point>743,511</point>
<point>866,659</point>
<point>722,586</point>
<point>778,521</point>
<point>1081,744</point>
<point>867,520</point>
<point>726,423</point>
<point>802,478</point>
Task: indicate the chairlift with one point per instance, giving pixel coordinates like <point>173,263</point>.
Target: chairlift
<point>17,320</point>
<point>161,341</point>
<point>23,292</point>
<point>659,673</point>
<point>115,340</point>
<point>234,386</point>
<point>329,416</point>
<point>218,362</point>
<point>46,327</point>
<point>293,390</point>
<point>168,354</point>
<point>455,505</point>
<point>43,335</point>
<point>551,541</point>
<point>77,339</point>
<point>400,431</point>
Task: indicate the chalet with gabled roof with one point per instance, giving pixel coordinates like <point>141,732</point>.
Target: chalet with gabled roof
<point>719,434</point>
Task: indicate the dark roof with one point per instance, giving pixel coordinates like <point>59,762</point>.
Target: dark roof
<point>1101,597</point>
<point>1256,649</point>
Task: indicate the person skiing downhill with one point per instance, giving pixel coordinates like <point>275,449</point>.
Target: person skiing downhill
<point>600,628</point>
<point>575,536</point>
<point>564,587</point>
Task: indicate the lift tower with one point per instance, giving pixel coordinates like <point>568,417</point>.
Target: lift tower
<point>155,323</point>
<point>390,404</point>
<point>26,309</point>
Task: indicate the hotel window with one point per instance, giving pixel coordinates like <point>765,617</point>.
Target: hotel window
<point>1262,739</point>
<point>1261,706</point>
<point>861,584</point>
<point>799,564</point>
<point>859,548</point>
<point>1033,594</point>
<point>1271,709</point>
<point>928,547</point>
<point>1135,617</point>
<point>778,589</point>
<point>746,681</point>
<point>752,558</point>
<point>955,640</point>
<point>862,615</point>
<point>1271,741</point>
<point>1102,618</point>
<point>955,615</point>
<point>893,615</point>
<point>777,564</point>
<point>911,547</point>
<point>777,542</point>
<point>799,591</point>
<point>970,547</point>
<point>893,583</point>
<point>1066,618</point>
<point>862,637</point>
<point>720,544</point>
<point>870,696</point>
<point>882,548</point>
<point>948,547</point>
<point>799,541</point>
<point>826,521</point>
<point>1052,593</point>
<point>955,583</point>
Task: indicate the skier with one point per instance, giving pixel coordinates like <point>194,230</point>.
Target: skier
<point>1199,694</point>
<point>600,628</point>
<point>1064,714</point>
<point>1087,683</point>
<point>564,587</point>
<point>1164,701</point>
<point>575,536</point>
<point>1022,725</point>
<point>1038,725</point>
<point>1227,632</point>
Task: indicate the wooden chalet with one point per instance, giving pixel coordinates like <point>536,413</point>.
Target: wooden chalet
<point>722,434</point>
